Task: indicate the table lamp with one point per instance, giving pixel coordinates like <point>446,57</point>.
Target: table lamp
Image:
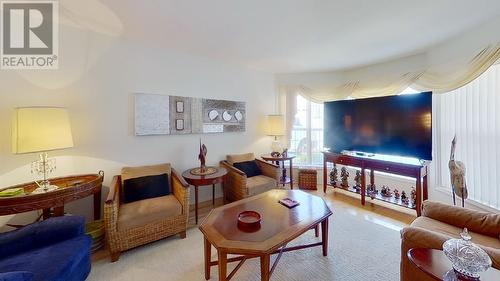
<point>41,129</point>
<point>275,127</point>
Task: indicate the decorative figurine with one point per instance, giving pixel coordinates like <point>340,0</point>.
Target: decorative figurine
<point>404,198</point>
<point>285,152</point>
<point>334,179</point>
<point>372,195</point>
<point>396,194</point>
<point>413,196</point>
<point>371,189</point>
<point>386,191</point>
<point>457,175</point>
<point>357,180</point>
<point>344,175</point>
<point>202,157</point>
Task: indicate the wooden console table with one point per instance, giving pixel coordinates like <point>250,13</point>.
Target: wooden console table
<point>418,170</point>
<point>70,188</point>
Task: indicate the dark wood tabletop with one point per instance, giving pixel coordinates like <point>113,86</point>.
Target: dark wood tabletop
<point>200,180</point>
<point>436,265</point>
<point>279,224</point>
<point>269,157</point>
<point>70,188</point>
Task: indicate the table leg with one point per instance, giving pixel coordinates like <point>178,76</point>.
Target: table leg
<point>425,186</point>
<point>59,211</point>
<point>222,265</point>
<point>196,204</point>
<point>283,173</point>
<point>325,171</point>
<point>97,205</point>
<point>363,186</point>
<point>291,174</point>
<point>418,190</point>
<point>208,257</point>
<point>46,213</point>
<point>372,178</point>
<point>213,194</point>
<point>265,261</point>
<point>324,236</point>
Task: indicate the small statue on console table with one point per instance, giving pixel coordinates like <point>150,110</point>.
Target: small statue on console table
<point>202,157</point>
<point>386,191</point>
<point>334,177</point>
<point>344,175</point>
<point>413,196</point>
<point>404,198</point>
<point>371,190</point>
<point>357,180</point>
<point>396,194</point>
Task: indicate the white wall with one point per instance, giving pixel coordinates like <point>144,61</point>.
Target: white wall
<point>96,81</point>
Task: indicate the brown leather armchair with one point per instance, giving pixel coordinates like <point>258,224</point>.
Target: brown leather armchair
<point>237,185</point>
<point>440,222</point>
<point>137,223</point>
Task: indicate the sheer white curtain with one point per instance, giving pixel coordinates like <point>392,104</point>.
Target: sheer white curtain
<point>472,112</point>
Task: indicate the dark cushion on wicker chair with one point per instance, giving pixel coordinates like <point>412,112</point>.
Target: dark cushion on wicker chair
<point>250,168</point>
<point>141,188</point>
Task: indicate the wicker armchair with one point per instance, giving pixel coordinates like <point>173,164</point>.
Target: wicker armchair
<point>237,185</point>
<point>141,222</point>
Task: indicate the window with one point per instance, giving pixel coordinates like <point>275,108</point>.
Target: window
<point>472,113</point>
<point>306,140</point>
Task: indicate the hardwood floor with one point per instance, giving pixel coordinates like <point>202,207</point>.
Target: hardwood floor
<point>377,212</point>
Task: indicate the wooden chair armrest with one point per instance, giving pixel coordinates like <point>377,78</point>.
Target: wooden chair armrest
<point>115,186</point>
<point>262,162</point>
<point>111,209</point>
<point>178,177</point>
<point>269,169</point>
<point>180,189</point>
<point>231,169</point>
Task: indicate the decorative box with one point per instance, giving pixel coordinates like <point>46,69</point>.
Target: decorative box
<point>308,179</point>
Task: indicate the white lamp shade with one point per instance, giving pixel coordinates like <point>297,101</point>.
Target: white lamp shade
<point>275,125</point>
<point>36,129</point>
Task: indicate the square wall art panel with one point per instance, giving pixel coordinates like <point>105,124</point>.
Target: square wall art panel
<point>162,114</point>
<point>152,115</point>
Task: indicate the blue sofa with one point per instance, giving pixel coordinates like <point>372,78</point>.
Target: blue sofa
<point>56,249</point>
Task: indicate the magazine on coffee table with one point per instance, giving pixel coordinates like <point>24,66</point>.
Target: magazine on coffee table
<point>290,203</point>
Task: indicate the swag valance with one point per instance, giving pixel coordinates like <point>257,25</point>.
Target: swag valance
<point>440,69</point>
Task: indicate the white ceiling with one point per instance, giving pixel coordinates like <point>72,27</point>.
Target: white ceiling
<point>297,36</point>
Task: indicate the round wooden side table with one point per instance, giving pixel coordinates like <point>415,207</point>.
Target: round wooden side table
<point>435,264</point>
<point>280,161</point>
<point>204,180</point>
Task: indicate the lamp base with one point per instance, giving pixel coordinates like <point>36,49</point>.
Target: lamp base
<point>44,187</point>
<point>276,147</point>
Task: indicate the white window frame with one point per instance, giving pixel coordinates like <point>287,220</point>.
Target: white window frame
<point>309,132</point>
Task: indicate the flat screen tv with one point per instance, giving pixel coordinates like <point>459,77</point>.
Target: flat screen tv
<point>395,125</point>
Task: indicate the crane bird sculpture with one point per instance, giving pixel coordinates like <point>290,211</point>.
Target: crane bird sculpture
<point>202,157</point>
<point>457,175</point>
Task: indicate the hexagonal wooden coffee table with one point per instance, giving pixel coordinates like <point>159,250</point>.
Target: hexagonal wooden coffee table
<point>279,226</point>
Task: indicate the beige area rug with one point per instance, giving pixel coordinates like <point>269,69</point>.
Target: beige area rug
<point>361,247</point>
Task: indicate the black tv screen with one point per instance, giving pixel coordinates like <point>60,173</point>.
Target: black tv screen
<point>395,125</point>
